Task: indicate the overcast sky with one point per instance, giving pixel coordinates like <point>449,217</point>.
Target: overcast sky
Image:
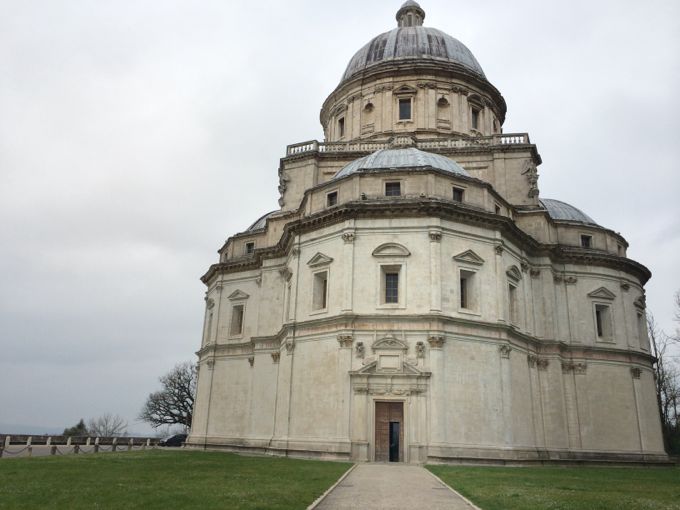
<point>135,137</point>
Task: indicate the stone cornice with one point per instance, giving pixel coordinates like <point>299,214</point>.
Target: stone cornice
<point>546,348</point>
<point>432,207</point>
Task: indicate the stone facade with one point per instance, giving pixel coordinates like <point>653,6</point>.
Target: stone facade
<point>506,331</point>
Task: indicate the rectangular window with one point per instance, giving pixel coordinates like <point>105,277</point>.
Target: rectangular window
<point>512,304</point>
<point>391,287</point>
<point>458,194</point>
<point>341,127</point>
<point>405,109</point>
<point>208,330</point>
<point>642,331</point>
<point>463,292</point>
<point>236,320</point>
<point>320,291</point>
<point>250,248</point>
<point>467,290</point>
<point>332,199</point>
<point>603,323</point>
<point>497,208</point>
<point>475,118</point>
<point>392,189</point>
<point>586,241</point>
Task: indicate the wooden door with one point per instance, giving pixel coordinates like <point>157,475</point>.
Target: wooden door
<point>387,413</point>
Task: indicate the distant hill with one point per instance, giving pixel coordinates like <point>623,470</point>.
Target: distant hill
<point>14,428</point>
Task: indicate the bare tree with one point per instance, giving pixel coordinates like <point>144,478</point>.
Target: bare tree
<point>107,425</point>
<point>173,404</point>
<point>667,380</point>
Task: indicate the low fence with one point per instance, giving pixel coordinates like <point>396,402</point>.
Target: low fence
<point>27,446</point>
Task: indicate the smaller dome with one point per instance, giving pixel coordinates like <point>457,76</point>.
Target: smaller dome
<point>561,211</point>
<point>261,222</point>
<point>391,159</point>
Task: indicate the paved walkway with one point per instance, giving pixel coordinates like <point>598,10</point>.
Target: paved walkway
<point>393,487</point>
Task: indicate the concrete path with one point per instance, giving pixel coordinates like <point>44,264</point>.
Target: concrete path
<point>393,487</point>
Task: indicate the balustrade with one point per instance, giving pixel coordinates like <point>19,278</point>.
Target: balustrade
<point>425,144</point>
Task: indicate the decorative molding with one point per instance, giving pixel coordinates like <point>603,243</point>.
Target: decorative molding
<point>640,303</point>
<point>405,90</point>
<point>577,368</point>
<point>532,177</point>
<point>427,85</point>
<point>290,345</point>
<point>276,356</point>
<point>531,360</point>
<point>542,363</point>
<point>238,295</point>
<point>258,280</point>
<point>294,252</point>
<point>499,249</point>
<point>557,278</point>
<point>435,236</point>
<point>360,350</point>
<point>391,250</point>
<point>210,303</point>
<point>436,341</point>
<point>210,364</point>
<point>570,280</point>
<point>319,260</point>
<point>469,257</point>
<point>286,273</point>
<point>514,273</point>
<point>389,343</point>
<point>505,351</point>
<point>420,349</point>
<point>251,360</point>
<point>625,287</point>
<point>636,372</point>
<point>348,237</point>
<point>534,273</point>
<point>602,293</point>
<point>524,266</point>
<point>345,341</point>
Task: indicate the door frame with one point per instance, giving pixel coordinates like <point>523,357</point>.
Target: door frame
<point>404,414</point>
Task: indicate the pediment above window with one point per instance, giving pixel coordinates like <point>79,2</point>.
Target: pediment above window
<point>389,343</point>
<point>602,293</point>
<point>405,90</point>
<point>237,295</point>
<point>514,273</point>
<point>391,250</point>
<point>469,257</point>
<point>319,260</point>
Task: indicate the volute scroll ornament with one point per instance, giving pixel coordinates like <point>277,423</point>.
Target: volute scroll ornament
<point>505,351</point>
<point>636,372</point>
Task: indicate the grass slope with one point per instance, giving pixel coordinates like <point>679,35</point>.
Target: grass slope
<point>164,480</point>
<point>577,488</point>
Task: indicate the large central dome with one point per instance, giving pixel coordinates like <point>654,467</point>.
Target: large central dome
<point>411,40</point>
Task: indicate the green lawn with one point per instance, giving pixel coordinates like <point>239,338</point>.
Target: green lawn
<point>499,488</point>
<point>164,480</point>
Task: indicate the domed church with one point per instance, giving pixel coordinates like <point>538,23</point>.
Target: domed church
<point>414,298</point>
